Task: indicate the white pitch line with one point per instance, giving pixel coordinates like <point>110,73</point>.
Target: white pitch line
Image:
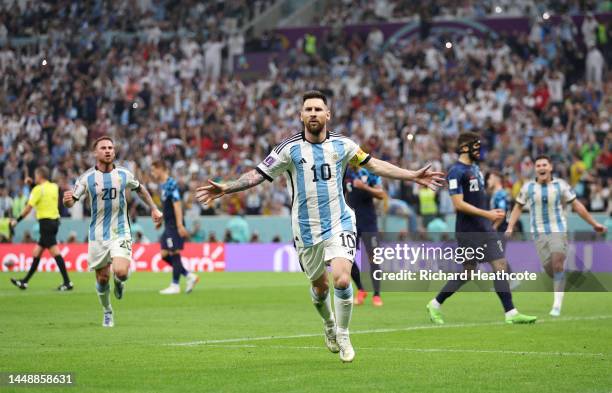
<point>91,290</point>
<point>386,330</point>
<point>423,350</point>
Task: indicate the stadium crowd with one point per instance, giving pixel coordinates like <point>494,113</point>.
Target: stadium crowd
<point>65,18</point>
<point>542,92</point>
<point>347,12</point>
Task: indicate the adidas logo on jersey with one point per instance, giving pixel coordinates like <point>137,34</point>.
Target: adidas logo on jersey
<point>302,161</point>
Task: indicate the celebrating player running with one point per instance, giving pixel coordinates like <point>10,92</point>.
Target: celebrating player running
<point>323,225</point>
<point>110,241</point>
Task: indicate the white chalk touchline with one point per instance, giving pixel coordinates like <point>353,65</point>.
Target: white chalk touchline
<point>424,350</point>
<point>386,330</point>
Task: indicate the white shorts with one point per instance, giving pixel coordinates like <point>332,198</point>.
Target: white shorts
<point>314,259</point>
<point>100,253</point>
<point>547,244</point>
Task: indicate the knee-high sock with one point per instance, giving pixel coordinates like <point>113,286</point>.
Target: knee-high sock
<point>104,296</point>
<point>448,289</point>
<point>323,305</point>
<point>503,291</point>
<point>178,269</point>
<point>62,268</point>
<point>33,269</point>
<point>343,304</point>
<point>559,288</point>
<point>355,276</point>
<point>375,283</point>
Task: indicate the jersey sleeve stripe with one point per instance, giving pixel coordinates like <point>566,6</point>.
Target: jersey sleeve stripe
<point>264,174</point>
<point>365,161</point>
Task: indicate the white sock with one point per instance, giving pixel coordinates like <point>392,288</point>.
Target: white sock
<point>104,296</point>
<point>434,303</point>
<point>343,304</point>
<point>558,299</point>
<point>323,306</point>
<point>558,287</point>
<point>512,312</point>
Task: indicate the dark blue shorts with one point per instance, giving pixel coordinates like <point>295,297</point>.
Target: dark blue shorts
<point>367,234</point>
<point>492,244</point>
<point>171,240</point>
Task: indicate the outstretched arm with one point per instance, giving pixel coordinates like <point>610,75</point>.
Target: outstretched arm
<point>586,216</point>
<point>423,176</point>
<point>213,190</point>
<point>156,215</point>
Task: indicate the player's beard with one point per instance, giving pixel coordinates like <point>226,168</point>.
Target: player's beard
<point>315,128</point>
<point>107,161</point>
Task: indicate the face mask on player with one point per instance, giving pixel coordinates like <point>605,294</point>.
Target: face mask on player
<point>473,148</point>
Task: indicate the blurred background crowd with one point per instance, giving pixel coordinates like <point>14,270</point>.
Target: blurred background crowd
<point>180,96</point>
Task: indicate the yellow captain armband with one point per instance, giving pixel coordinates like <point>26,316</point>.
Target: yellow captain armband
<point>360,158</point>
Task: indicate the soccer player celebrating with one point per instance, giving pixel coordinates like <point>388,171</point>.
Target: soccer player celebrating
<point>45,199</point>
<point>174,229</point>
<point>110,241</point>
<point>547,198</point>
<point>361,189</point>
<point>474,228</point>
<point>323,225</point>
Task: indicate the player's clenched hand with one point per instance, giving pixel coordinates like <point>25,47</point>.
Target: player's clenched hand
<point>429,178</point>
<point>496,215</point>
<point>359,184</point>
<point>67,196</point>
<point>183,232</point>
<point>209,193</point>
<point>157,216</point>
<point>600,228</point>
<point>508,233</point>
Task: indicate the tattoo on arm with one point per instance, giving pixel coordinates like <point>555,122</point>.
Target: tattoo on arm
<point>144,194</point>
<point>246,181</point>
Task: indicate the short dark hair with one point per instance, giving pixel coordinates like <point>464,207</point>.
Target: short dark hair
<point>467,137</point>
<point>314,94</point>
<point>161,164</point>
<point>43,172</point>
<point>100,139</point>
<point>543,157</point>
<point>494,172</point>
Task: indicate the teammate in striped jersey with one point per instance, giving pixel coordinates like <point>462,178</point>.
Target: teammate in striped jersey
<point>110,241</point>
<point>313,162</point>
<point>547,198</point>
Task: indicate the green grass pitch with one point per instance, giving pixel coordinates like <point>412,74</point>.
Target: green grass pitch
<point>259,332</point>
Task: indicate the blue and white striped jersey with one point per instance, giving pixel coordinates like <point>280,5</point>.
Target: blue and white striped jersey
<point>546,204</point>
<point>106,190</point>
<point>315,172</point>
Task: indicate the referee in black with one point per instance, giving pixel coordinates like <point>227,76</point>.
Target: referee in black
<point>45,199</point>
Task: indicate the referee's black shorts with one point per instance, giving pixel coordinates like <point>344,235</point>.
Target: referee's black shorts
<point>48,232</point>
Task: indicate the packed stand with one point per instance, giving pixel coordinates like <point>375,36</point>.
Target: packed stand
<point>345,12</point>
<point>527,95</point>
<point>65,18</point>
